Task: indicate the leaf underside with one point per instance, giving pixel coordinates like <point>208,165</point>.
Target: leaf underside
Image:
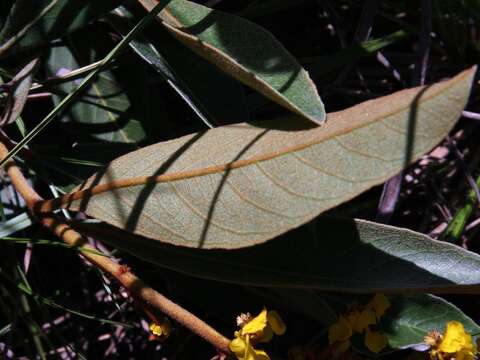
<point>242,184</point>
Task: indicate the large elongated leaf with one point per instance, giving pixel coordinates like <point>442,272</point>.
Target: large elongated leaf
<point>246,51</point>
<point>342,255</point>
<point>243,184</point>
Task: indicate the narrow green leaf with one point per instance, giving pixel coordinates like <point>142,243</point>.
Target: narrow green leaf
<point>18,223</point>
<point>240,185</point>
<point>246,51</point>
<point>15,240</point>
<point>455,228</point>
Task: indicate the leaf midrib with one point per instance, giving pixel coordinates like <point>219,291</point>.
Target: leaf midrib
<point>325,134</point>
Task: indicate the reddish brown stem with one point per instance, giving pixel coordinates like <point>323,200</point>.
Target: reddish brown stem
<point>139,290</point>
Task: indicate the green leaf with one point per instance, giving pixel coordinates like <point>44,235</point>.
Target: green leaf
<point>411,317</point>
<point>246,51</point>
<point>456,226</point>
<point>240,185</point>
<point>65,16</point>
<point>346,255</point>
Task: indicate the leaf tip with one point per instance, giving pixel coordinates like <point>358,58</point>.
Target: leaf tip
<point>318,117</point>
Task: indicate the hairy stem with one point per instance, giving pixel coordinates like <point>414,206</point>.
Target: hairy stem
<point>139,290</point>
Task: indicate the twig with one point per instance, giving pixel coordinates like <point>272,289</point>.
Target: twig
<point>138,289</point>
<point>471,115</point>
<point>364,28</point>
<point>72,75</point>
<point>389,199</point>
<point>472,225</point>
<point>424,46</point>
<point>382,59</point>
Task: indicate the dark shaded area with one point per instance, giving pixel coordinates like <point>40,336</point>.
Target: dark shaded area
<point>333,260</point>
<point>65,16</point>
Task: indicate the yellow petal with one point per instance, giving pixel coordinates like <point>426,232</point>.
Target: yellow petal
<point>249,353</point>
<point>260,355</point>
<point>379,304</point>
<point>465,355</point>
<point>353,318</point>
<point>375,341</point>
<point>361,320</point>
<point>256,325</point>
<point>276,322</point>
<point>339,331</point>
<point>238,346</point>
<point>456,339</point>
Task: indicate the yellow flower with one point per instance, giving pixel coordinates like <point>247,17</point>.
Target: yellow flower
<point>456,344</point>
<point>161,330</point>
<point>256,325</point>
<point>375,341</point>
<point>259,329</point>
<point>359,321</point>
<point>362,320</point>
<point>264,325</point>
<point>244,350</point>
<point>379,304</point>
<point>340,331</point>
